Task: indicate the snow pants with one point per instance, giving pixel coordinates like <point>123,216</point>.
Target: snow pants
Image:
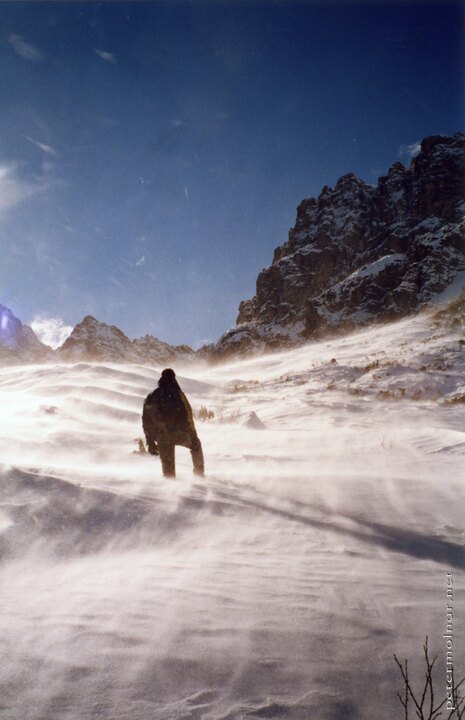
<point>166,448</point>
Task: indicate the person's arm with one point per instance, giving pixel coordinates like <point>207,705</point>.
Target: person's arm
<point>190,416</point>
<point>147,426</point>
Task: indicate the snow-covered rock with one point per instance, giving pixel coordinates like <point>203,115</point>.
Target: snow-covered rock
<point>253,421</point>
<point>149,347</point>
<point>94,340</point>
<point>360,253</point>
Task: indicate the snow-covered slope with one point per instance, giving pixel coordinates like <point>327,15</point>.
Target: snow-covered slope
<point>360,253</point>
<point>278,587</point>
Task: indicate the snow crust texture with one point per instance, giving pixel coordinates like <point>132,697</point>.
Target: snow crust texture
<point>277,587</point>
<point>359,253</point>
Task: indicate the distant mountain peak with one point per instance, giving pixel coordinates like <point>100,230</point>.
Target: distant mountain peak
<point>90,320</point>
<point>18,342</point>
<point>95,340</point>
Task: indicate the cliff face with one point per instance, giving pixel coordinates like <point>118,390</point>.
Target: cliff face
<point>359,253</point>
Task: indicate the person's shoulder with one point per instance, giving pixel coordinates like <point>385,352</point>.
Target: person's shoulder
<point>184,398</point>
<point>152,396</point>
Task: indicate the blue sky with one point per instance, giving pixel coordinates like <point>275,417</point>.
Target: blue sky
<point>152,154</point>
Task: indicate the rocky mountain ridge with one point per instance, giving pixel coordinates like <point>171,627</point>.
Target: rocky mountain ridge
<point>89,340</point>
<point>359,253</point>
<point>94,340</point>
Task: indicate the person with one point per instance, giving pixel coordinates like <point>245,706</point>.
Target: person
<point>167,421</point>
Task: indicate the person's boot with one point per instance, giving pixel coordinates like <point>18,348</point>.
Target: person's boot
<point>197,460</point>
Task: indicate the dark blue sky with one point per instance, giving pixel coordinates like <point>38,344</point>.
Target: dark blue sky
<point>152,154</point>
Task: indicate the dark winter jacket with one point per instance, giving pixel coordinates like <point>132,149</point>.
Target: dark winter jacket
<point>167,412</point>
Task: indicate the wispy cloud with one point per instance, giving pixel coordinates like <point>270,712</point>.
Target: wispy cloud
<point>106,122</point>
<point>47,259</point>
<point>51,330</point>
<point>13,189</point>
<point>118,284</point>
<point>107,56</point>
<point>25,49</point>
<point>45,148</point>
<point>410,151</point>
<point>17,184</point>
<point>142,260</point>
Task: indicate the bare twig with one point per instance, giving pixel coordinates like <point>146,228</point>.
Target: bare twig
<point>430,712</point>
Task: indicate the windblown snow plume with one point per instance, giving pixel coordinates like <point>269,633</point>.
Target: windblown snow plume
<point>51,331</point>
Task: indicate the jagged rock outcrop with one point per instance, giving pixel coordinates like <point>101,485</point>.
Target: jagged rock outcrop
<point>360,253</point>
<point>18,342</point>
<point>94,340</point>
